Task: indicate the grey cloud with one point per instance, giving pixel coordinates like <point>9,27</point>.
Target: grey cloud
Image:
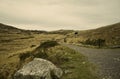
<point>53,14</point>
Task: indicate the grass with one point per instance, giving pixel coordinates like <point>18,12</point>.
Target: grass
<point>14,54</point>
<point>110,34</point>
<point>74,64</point>
<point>10,50</point>
<point>18,47</point>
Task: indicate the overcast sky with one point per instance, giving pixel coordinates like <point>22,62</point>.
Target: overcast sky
<point>59,14</point>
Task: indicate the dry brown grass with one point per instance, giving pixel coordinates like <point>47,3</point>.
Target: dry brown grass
<point>20,43</point>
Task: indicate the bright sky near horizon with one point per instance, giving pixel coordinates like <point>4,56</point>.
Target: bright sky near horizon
<point>59,14</point>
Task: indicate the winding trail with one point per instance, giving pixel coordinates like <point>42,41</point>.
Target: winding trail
<point>107,60</point>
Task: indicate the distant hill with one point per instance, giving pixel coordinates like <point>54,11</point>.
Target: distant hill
<point>110,33</point>
<point>9,29</point>
<point>62,32</point>
<point>10,33</point>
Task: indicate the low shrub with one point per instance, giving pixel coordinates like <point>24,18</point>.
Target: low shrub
<point>40,54</point>
<point>23,56</point>
<point>48,44</point>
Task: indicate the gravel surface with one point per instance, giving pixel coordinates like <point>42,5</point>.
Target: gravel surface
<point>107,60</point>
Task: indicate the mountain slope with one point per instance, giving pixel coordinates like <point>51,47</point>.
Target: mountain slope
<point>110,33</point>
<point>9,29</point>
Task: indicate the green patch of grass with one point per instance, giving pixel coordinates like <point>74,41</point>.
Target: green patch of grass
<point>74,64</point>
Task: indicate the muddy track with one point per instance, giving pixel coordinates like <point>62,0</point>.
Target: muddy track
<point>107,60</point>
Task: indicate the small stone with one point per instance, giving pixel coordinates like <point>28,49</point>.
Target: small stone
<point>67,71</point>
<point>83,62</point>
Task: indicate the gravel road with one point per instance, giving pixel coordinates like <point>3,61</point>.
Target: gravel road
<point>107,60</point>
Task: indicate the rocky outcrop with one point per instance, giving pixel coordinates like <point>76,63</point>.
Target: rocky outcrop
<point>39,69</point>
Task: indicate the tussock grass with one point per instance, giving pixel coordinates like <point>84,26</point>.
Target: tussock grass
<point>74,64</point>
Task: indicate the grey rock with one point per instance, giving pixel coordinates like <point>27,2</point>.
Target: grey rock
<point>39,69</point>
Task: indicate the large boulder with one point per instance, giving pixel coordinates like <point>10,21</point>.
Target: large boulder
<point>39,69</point>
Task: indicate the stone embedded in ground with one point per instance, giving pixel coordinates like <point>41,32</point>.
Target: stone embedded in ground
<point>39,69</point>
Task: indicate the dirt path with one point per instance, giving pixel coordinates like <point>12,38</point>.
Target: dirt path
<point>108,60</point>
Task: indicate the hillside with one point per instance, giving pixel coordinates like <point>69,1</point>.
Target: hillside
<point>15,42</point>
<point>62,32</point>
<point>9,29</point>
<point>18,47</point>
<point>110,33</point>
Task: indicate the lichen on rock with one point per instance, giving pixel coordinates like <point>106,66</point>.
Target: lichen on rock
<point>39,69</point>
